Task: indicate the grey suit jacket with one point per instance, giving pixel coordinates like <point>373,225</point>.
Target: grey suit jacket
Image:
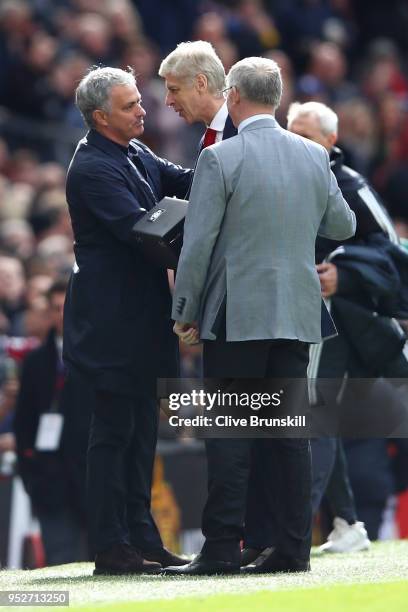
<point>258,201</point>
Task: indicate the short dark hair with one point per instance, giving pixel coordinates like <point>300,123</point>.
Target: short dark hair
<point>58,286</point>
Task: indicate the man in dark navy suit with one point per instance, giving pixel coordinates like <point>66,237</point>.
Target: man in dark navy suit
<point>117,327</point>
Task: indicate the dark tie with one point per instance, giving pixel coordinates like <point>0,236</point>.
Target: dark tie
<point>209,137</point>
<point>135,159</point>
<point>144,178</point>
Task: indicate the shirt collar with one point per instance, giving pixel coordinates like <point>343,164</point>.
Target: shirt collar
<point>218,122</point>
<point>124,150</point>
<point>105,144</point>
<point>249,120</point>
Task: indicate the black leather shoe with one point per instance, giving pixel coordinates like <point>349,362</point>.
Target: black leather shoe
<point>272,562</point>
<point>123,559</point>
<point>249,555</point>
<point>202,566</point>
<point>164,557</point>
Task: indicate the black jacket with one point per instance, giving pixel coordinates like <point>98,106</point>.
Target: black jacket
<point>371,215</point>
<point>53,479</point>
<point>372,274</point>
<point>117,326</point>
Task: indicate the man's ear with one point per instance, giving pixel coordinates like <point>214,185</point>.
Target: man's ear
<point>235,95</point>
<point>332,139</point>
<point>100,118</point>
<point>201,83</point>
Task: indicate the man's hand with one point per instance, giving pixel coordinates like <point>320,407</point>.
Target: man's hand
<point>328,278</point>
<point>187,332</point>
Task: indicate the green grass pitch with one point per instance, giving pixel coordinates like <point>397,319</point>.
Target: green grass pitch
<point>376,581</point>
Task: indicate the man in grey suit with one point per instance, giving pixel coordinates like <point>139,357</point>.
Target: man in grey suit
<point>247,286</point>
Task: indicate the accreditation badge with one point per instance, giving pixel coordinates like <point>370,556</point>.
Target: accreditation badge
<point>49,431</point>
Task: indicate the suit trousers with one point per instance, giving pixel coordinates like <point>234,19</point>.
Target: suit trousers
<point>260,524</point>
<point>63,536</point>
<point>229,460</point>
<point>120,459</point>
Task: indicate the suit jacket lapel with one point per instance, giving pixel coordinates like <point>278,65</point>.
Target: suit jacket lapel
<point>141,188</point>
<point>229,131</point>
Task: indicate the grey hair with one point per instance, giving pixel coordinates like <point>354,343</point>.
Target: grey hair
<point>192,58</point>
<point>258,79</point>
<point>327,118</point>
<point>93,92</point>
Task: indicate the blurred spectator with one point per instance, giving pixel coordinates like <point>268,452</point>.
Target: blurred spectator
<point>168,23</point>
<point>51,459</point>
<point>8,395</point>
<point>328,65</point>
<point>35,321</point>
<point>15,199</point>
<point>383,72</point>
<point>38,286</point>
<point>16,238</point>
<point>375,475</point>
<point>388,19</point>
<point>285,64</point>
<point>94,37</point>
<point>359,133</point>
<point>393,145</point>
<point>56,251</point>
<point>4,155</point>
<point>396,193</point>
<point>49,215</point>
<point>125,23</point>
<point>63,79</point>
<point>29,74</point>
<point>252,29</point>
<point>303,22</point>
<point>17,28</point>
<point>12,288</point>
<point>212,27</point>
<point>23,167</point>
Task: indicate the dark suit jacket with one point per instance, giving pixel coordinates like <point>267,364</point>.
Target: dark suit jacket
<point>53,479</point>
<point>117,325</point>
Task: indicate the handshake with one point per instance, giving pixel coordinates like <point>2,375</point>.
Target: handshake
<point>187,332</point>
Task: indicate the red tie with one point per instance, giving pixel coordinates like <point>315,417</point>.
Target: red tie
<point>209,137</point>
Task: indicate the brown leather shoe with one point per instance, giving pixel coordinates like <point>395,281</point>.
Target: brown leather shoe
<point>164,557</point>
<point>123,559</point>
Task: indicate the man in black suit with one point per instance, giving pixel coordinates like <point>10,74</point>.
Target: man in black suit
<point>117,316</point>
<point>54,477</point>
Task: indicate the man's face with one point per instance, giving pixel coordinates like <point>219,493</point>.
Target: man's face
<point>183,96</point>
<point>12,282</point>
<point>56,309</point>
<point>308,126</point>
<point>125,118</point>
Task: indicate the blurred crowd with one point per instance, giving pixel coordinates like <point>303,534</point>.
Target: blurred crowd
<point>349,54</point>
